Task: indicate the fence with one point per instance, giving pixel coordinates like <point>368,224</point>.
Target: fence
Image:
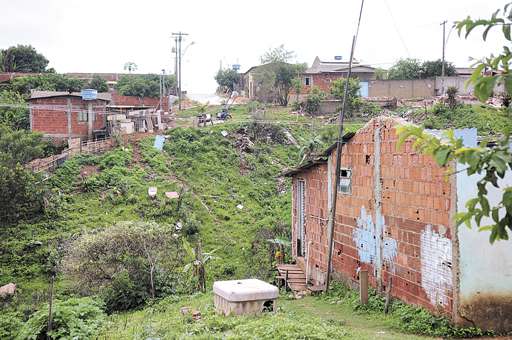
<point>49,164</point>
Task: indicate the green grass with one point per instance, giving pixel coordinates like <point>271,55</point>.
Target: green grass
<point>489,121</point>
<point>308,318</point>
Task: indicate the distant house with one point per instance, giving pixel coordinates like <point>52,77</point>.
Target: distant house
<point>395,219</point>
<point>250,81</point>
<point>322,73</point>
<point>62,115</point>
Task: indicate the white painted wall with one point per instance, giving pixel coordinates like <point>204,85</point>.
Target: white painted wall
<point>484,267</point>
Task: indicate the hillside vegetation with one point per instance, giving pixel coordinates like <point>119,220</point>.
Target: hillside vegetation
<point>231,203</point>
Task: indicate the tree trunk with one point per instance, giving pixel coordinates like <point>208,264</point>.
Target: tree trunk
<point>151,280</point>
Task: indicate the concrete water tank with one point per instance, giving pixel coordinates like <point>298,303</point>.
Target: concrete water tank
<point>240,297</point>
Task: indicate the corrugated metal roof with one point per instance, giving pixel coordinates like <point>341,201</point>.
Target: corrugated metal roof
<point>35,94</point>
<point>322,158</point>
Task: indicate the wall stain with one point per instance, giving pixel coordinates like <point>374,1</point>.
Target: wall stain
<point>365,239</point>
<point>436,263</point>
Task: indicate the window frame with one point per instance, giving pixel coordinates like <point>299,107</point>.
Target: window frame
<point>348,175</point>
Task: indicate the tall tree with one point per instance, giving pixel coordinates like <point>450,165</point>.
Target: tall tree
<point>275,81</point>
<point>433,68</point>
<point>276,55</point>
<point>227,79</point>
<point>353,97</point>
<point>23,58</point>
<point>405,69</point>
<point>130,66</point>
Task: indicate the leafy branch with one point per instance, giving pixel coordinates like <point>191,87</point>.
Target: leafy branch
<point>496,67</point>
<point>492,163</point>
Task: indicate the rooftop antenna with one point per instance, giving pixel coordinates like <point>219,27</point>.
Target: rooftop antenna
<point>341,119</point>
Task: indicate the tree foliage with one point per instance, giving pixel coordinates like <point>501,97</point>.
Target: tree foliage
<point>315,96</point>
<point>46,82</point>
<point>497,67</point>
<point>491,162</point>
<point>274,81</point>
<point>23,58</point>
<point>433,68</point>
<point>147,85</point>
<point>16,116</point>
<point>20,194</point>
<point>405,69</point>
<point>410,68</point>
<point>75,318</point>
<point>98,83</point>
<point>277,55</point>
<point>130,66</point>
<point>227,79</point>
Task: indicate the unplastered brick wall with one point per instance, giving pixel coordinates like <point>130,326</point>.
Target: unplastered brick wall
<point>49,115</point>
<point>413,228</point>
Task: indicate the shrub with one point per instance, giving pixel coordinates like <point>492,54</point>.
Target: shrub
<point>313,100</point>
<point>354,101</point>
<point>121,262</point>
<point>75,318</point>
<point>10,324</point>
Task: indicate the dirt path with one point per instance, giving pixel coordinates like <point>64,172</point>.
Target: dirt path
<point>360,326</point>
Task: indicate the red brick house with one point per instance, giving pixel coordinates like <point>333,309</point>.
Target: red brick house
<point>395,218</point>
<point>62,115</point>
<point>322,73</point>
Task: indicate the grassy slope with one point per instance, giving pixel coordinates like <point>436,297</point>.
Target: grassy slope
<point>203,161</point>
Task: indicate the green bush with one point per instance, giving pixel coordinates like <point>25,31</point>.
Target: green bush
<point>122,262</point>
<point>124,293</point>
<point>10,324</point>
<point>487,120</point>
<point>75,318</point>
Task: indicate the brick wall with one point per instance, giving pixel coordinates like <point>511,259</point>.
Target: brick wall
<point>324,80</point>
<point>52,118</point>
<point>118,99</point>
<point>415,205</point>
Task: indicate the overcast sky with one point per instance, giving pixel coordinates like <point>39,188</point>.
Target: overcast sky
<point>100,36</point>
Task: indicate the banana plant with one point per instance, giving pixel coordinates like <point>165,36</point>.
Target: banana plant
<point>198,262</point>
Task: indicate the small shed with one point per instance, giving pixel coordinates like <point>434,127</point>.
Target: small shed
<point>64,115</point>
<point>241,297</point>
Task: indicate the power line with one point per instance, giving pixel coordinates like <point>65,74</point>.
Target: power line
<point>396,28</point>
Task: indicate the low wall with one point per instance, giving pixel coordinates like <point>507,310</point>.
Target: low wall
<point>402,89</point>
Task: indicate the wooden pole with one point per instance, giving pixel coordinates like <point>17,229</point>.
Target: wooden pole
<point>363,286</point>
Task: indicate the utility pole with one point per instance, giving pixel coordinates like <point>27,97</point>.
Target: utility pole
<point>331,222</point>
<point>176,62</point>
<point>444,46</point>
<point>179,37</point>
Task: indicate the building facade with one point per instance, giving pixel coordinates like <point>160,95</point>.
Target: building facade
<point>395,218</point>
